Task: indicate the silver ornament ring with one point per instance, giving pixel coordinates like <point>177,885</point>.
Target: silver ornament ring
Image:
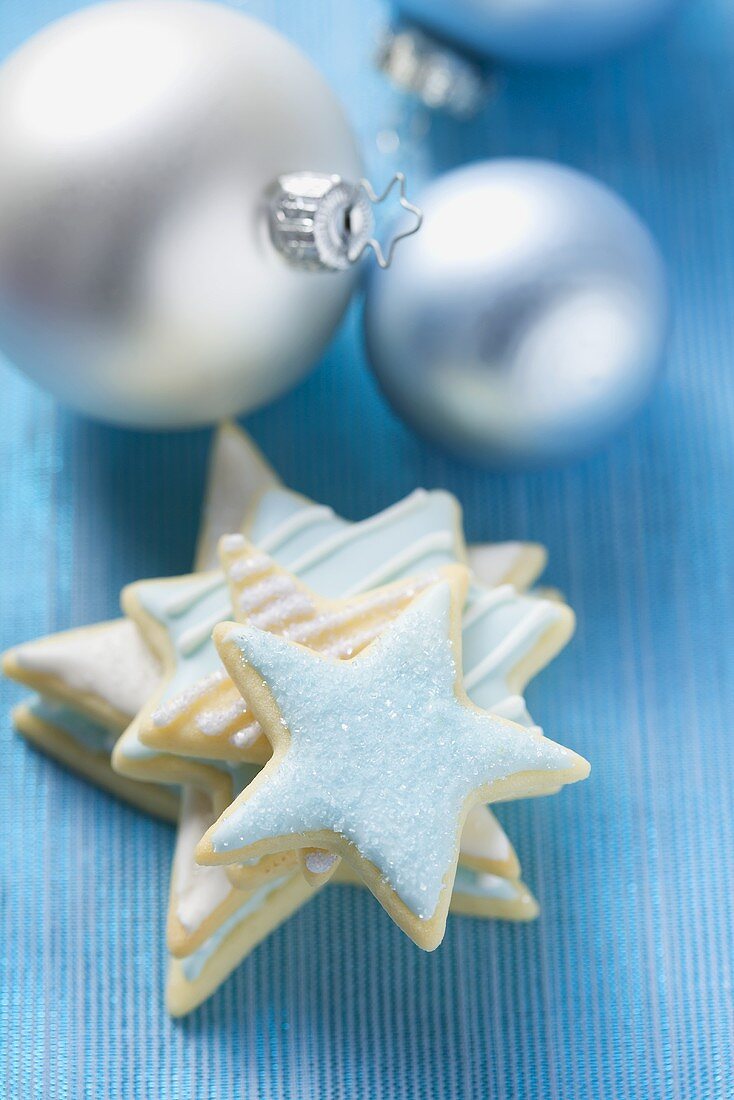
<point>324,223</point>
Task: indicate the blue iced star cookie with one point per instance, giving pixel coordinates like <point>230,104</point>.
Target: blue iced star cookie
<point>378,759</point>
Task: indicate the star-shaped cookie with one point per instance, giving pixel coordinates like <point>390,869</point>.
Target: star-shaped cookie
<point>379,758</point>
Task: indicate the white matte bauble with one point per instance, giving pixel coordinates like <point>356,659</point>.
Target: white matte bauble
<point>526,321</point>
<point>138,280</point>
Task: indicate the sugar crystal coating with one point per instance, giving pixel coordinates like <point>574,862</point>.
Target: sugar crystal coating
<point>381,751</point>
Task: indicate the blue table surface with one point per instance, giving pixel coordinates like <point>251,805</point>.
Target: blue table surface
<point>623,988</point>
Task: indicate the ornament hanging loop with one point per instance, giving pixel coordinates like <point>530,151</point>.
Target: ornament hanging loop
<point>323,223</point>
<point>384,257</point>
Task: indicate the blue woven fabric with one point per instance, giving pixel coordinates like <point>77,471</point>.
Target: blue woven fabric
<point>624,986</point>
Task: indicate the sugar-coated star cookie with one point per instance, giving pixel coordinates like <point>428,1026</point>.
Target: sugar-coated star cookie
<point>511,636</point>
<point>275,600</point>
<point>378,758</point>
<point>269,597</point>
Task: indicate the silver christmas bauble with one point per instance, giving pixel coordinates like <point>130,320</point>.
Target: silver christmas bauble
<point>538,31</point>
<point>138,144</point>
<point>526,321</point>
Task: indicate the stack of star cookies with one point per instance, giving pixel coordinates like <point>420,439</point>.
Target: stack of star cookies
<point>319,701</point>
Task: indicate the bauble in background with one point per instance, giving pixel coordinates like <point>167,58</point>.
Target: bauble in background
<point>545,32</point>
<point>444,51</point>
<point>137,278</point>
<point>527,320</point>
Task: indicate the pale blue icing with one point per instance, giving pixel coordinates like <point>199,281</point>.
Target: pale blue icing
<point>92,736</point>
<point>337,557</point>
<point>334,558</point>
<point>192,606</point>
<point>276,507</point>
<point>193,964</point>
<point>381,751</point>
<point>479,884</point>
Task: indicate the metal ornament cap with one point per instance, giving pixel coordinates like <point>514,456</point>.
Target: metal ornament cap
<point>323,223</point>
<point>319,222</point>
<point>439,75</point>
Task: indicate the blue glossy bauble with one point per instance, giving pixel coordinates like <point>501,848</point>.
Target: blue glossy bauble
<point>526,321</point>
<point>538,31</point>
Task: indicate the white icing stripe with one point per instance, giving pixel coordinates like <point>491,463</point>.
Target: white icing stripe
<point>288,609</point>
<point>440,540</point>
<point>331,620</point>
<point>353,531</point>
<point>168,712</point>
<point>488,601</point>
<point>513,707</point>
<point>301,521</point>
<point>232,544</point>
<point>215,721</point>
<point>508,647</point>
<point>191,639</point>
<point>271,586</point>
<point>248,566</point>
<point>180,604</point>
<point>246,736</point>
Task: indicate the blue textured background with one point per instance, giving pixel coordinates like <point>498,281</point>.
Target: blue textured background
<point>624,987</point>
